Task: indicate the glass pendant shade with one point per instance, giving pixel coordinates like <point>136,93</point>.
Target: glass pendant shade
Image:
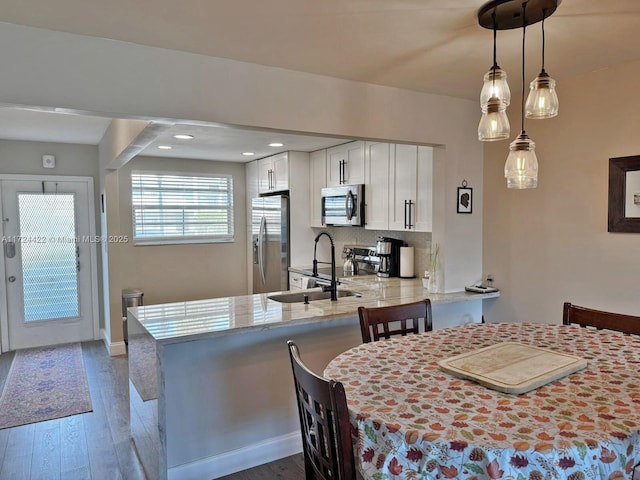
<point>494,124</point>
<point>495,85</point>
<point>521,168</point>
<point>542,101</point>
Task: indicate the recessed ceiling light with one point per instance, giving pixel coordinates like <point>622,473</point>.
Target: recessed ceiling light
<point>276,144</point>
<point>183,136</point>
<point>248,154</point>
<point>165,147</point>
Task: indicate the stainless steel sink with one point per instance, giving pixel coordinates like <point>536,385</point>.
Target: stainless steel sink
<point>311,296</point>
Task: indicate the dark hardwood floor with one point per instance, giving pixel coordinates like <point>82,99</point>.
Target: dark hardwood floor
<point>290,468</point>
<point>96,445</point>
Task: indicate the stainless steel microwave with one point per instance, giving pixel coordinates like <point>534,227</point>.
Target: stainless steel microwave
<point>343,205</point>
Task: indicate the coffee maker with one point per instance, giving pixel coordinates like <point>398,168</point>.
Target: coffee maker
<point>388,250</point>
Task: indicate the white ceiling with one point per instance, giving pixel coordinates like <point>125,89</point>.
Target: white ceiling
<point>229,144</point>
<point>433,46</point>
<point>210,142</point>
<point>32,125</point>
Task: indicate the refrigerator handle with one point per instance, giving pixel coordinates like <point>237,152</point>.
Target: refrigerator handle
<point>255,251</point>
<point>261,234</point>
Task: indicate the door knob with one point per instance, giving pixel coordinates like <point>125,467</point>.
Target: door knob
<point>12,278</point>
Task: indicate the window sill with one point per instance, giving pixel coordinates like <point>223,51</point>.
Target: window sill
<point>152,242</point>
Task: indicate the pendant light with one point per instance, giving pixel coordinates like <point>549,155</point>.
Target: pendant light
<point>494,100</point>
<point>521,167</point>
<point>542,101</point>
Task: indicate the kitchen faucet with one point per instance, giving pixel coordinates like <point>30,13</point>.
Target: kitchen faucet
<point>333,288</point>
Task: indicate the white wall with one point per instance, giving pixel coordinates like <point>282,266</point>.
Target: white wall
<point>179,272</point>
<point>549,245</point>
<point>54,69</point>
<point>25,158</point>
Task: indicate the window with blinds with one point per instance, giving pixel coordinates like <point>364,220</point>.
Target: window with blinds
<point>170,208</point>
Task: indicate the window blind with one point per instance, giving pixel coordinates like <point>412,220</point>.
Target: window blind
<point>180,208</point>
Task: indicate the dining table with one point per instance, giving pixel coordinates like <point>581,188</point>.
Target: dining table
<point>412,420</point>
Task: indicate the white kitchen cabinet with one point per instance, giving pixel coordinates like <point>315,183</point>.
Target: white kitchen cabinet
<point>273,173</point>
<point>376,194</point>
<point>410,188</point>
<point>317,181</point>
<point>424,191</point>
<point>345,164</point>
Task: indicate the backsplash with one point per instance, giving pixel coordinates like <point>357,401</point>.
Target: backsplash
<point>421,242</point>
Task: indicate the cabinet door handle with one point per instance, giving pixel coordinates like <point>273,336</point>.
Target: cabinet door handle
<point>342,171</point>
<point>405,214</point>
<point>270,179</point>
<point>410,204</point>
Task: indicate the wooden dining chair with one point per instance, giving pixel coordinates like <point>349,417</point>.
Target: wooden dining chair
<point>587,317</point>
<point>324,422</point>
<point>384,322</point>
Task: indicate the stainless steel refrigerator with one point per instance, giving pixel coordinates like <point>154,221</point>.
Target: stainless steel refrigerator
<point>270,238</point>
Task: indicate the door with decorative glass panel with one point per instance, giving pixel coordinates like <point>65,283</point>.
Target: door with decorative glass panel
<point>49,251</point>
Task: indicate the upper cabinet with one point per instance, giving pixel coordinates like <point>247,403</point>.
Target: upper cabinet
<point>424,190</point>
<point>273,173</point>
<point>376,194</point>
<point>317,181</point>
<point>410,188</point>
<point>345,164</point>
<point>398,182</point>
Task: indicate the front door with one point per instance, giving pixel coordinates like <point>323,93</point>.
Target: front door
<point>48,262</point>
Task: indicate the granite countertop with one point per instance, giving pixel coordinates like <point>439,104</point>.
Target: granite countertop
<point>185,321</point>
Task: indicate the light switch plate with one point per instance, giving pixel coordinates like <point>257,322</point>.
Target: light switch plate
<point>48,161</point>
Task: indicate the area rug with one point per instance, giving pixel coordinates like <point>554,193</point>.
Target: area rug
<point>43,384</point>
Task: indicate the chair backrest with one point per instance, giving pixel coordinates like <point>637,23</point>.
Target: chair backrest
<point>383,322</point>
<point>324,423</point>
<point>587,317</point>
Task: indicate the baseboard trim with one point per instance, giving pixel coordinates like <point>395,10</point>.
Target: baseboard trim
<point>115,348</point>
<point>237,460</point>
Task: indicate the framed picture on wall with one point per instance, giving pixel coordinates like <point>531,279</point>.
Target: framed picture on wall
<point>624,194</point>
<point>465,199</point>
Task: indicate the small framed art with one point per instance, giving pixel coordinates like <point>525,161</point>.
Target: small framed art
<point>465,199</point>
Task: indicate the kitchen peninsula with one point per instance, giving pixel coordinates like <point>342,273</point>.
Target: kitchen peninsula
<point>210,382</point>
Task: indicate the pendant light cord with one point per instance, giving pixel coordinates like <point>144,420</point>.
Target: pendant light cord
<point>524,32</point>
<point>495,30</point>
<point>495,62</point>
<point>544,14</point>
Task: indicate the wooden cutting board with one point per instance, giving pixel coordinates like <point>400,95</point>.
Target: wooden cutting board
<point>512,367</point>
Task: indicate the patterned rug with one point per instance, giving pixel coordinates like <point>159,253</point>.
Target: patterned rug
<point>43,384</point>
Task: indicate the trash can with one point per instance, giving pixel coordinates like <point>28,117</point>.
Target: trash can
<point>131,297</point>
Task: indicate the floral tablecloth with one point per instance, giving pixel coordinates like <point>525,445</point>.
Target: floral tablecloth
<point>413,421</point>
